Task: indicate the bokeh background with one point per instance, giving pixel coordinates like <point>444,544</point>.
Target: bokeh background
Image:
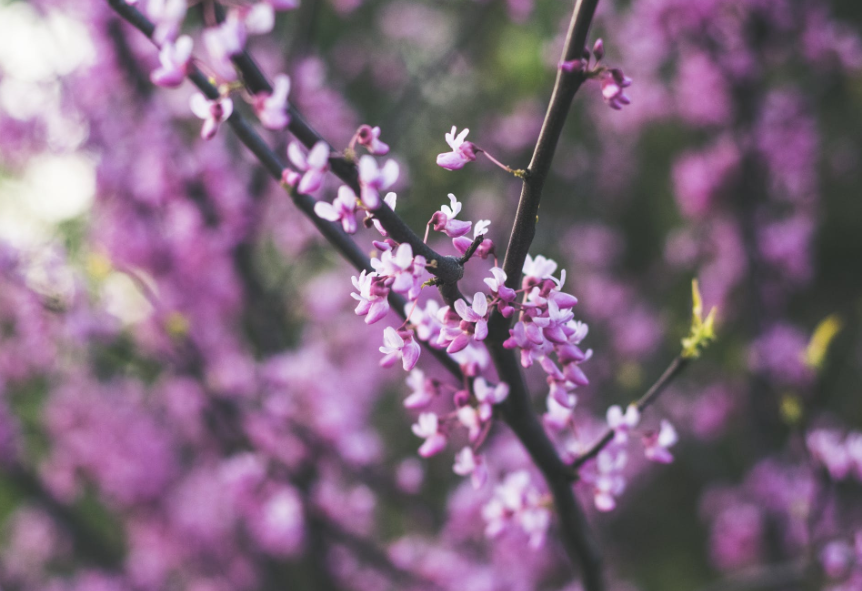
<point>188,402</point>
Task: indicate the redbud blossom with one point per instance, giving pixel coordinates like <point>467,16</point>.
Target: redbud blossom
<point>314,165</point>
<point>404,272</point>
<point>424,390</point>
<point>613,84</point>
<point>427,427</point>
<point>485,249</point>
<point>371,297</point>
<point>174,57</point>
<point>488,396</point>
<point>168,16</point>
<point>444,220</point>
<point>369,137</point>
<point>517,501</point>
<point>462,151</point>
<point>271,108</point>
<point>343,209</point>
<point>373,180</point>
<point>390,200</point>
<point>212,112</point>
<point>623,423</point>
<point>457,334</point>
<point>656,444</point>
<point>468,463</point>
<point>399,345</point>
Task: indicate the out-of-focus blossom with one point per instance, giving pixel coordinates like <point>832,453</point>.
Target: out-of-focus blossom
<point>614,83</point>
<point>369,137</point>
<point>373,180</point>
<point>174,59</point>
<point>621,422</point>
<point>168,16</point>
<point>313,166</point>
<point>469,464</point>
<point>517,501</point>
<point>656,444</point>
<point>214,113</point>
<point>423,390</point>
<point>271,108</point>
<point>427,427</point>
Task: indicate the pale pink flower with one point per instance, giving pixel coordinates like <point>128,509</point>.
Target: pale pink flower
<point>369,137</point>
<point>373,180</point>
<point>656,444</point>
<point>423,390</point>
<point>614,83</point>
<point>608,481</point>
<point>428,428</point>
<point>516,500</point>
<point>468,463</point>
<point>623,423</point>
<point>472,326</point>
<point>168,16</point>
<point>406,271</point>
<point>539,268</point>
<point>213,113</point>
<point>343,209</point>
<point>444,220</point>
<point>462,151</point>
<point>271,108</point>
<point>559,416</point>
<point>485,249</point>
<point>174,59</point>
<point>488,396</point>
<point>468,416</point>
<point>399,346</point>
<point>372,296</point>
<point>314,165</point>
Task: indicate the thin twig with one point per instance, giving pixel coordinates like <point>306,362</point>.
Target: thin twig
<point>673,370</point>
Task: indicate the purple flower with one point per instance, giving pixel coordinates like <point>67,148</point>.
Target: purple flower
<point>373,180</point>
<point>174,57</point>
<point>314,166</point>
<point>488,396</point>
<point>485,249</point>
<point>399,345</point>
<point>167,15</point>
<point>343,209</point>
<point>462,151</point>
<point>427,427</point>
<point>212,112</point>
<point>271,108</point>
<point>424,390</point>
<point>444,220</point>
<point>517,501</point>
<point>406,272</point>
<point>656,444</point>
<point>559,416</point>
<point>614,83</point>
<point>623,423</point>
<point>369,137</point>
<point>457,334</point>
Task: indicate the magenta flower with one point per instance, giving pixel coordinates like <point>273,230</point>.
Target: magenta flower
<point>656,444</point>
<point>614,83</point>
<point>399,345</point>
<point>406,272</point>
<point>428,428</point>
<point>174,59</point>
<point>314,166</point>
<point>343,209</point>
<point>372,294</point>
<point>462,151</point>
<point>214,113</point>
<point>444,220</point>
<point>271,108</point>
<point>373,180</point>
<point>469,464</point>
<point>369,137</point>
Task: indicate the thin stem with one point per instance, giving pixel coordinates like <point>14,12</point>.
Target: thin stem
<point>477,241</point>
<point>673,370</point>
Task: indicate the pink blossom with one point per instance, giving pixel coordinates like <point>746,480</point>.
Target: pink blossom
<point>225,41</point>
<point>656,444</point>
<point>372,294</point>
<point>174,57</point>
<point>407,273</point>
<point>497,283</point>
<point>517,501</point>
<point>314,165</point>
<point>472,326</point>
<point>427,427</point>
<point>168,16</point>
<point>539,268</point>
<point>423,390</point>
<point>373,180</point>
<point>369,137</point>
<point>399,345</point>
<point>271,108</point>
<point>444,220</point>
<point>488,396</point>
<point>469,417</point>
<point>623,423</point>
<point>485,249</point>
<point>559,416</point>
<point>212,112</point>
<point>614,83</point>
<point>391,199</point>
<point>343,209</point>
<point>468,463</point>
<point>462,151</point>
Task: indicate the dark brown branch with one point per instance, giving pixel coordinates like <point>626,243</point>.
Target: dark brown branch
<point>673,370</point>
<point>517,411</point>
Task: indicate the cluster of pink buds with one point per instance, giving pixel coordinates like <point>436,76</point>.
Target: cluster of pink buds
<point>613,81</point>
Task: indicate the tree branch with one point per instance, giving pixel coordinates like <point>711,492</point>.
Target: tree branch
<point>675,368</point>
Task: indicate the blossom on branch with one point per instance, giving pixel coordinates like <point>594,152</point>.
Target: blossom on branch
<point>314,165</point>
<point>343,209</point>
<point>174,59</point>
<point>213,112</point>
<point>462,151</point>
<point>271,108</point>
<point>444,220</point>
<point>399,345</point>
<point>373,180</point>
